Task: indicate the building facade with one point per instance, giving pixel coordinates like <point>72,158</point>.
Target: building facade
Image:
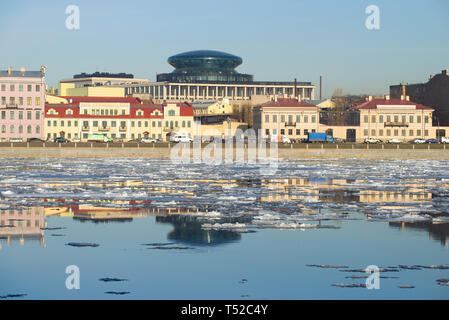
<point>22,104</point>
<point>121,119</point>
<point>434,93</point>
<point>287,117</point>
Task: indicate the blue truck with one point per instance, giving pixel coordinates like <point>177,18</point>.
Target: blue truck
<point>319,137</point>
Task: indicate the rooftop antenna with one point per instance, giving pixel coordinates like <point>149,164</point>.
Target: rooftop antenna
<point>320,85</point>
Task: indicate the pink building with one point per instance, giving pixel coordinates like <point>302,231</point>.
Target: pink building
<point>22,100</point>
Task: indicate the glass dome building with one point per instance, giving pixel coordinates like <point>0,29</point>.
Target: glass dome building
<point>205,66</point>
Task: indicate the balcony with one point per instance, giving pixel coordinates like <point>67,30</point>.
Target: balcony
<point>102,128</point>
<point>290,124</point>
<point>85,128</point>
<point>11,106</point>
<point>122,129</point>
<point>395,124</point>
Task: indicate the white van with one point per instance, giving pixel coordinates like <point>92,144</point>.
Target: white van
<point>444,139</point>
<point>180,137</point>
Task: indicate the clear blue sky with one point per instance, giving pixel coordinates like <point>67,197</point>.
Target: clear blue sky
<point>278,40</point>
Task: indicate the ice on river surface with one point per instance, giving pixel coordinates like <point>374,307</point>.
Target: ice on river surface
<point>102,201</point>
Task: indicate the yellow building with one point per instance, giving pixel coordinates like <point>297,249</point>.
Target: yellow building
<point>211,108</point>
<point>118,118</point>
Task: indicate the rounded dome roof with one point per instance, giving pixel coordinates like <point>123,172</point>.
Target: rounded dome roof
<point>209,59</point>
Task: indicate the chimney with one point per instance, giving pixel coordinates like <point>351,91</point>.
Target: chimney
<point>407,98</point>
<point>403,93</point>
<point>321,78</point>
<point>370,98</point>
<point>22,69</point>
<point>9,70</point>
<point>387,97</point>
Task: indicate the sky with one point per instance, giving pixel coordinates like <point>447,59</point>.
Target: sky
<point>277,40</point>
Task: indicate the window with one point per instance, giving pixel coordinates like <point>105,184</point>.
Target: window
<point>267,132</point>
<point>69,123</point>
<point>404,118</point>
<point>114,124</point>
<point>106,112</point>
<point>20,87</point>
<point>28,129</point>
<point>11,115</point>
<point>403,132</point>
<point>426,119</point>
<point>159,124</point>
<point>426,133</point>
<point>418,132</point>
<point>396,132</point>
<point>29,101</point>
<point>153,124</point>
<point>267,118</point>
<point>411,119</point>
<point>373,132</point>
<point>410,133</point>
<point>38,115</point>
<point>11,129</point>
<point>183,124</point>
<point>306,119</point>
<point>282,118</point>
<point>298,132</point>
<point>85,124</point>
<point>381,132</point>
<point>102,112</point>
<point>3,115</point>
<point>396,118</point>
<point>132,124</point>
<point>55,123</point>
<point>21,101</point>
<point>388,132</point>
<point>171,113</point>
<point>298,118</point>
<point>306,131</point>
<point>146,124</point>
<point>3,87</point>
<point>188,124</point>
<point>290,132</point>
<point>123,124</point>
<point>275,118</point>
<point>3,100</point>
<point>381,118</point>
<point>373,119</point>
<point>95,123</point>
<point>38,101</point>
<point>139,124</point>
<point>123,111</point>
<point>76,123</point>
<point>3,129</point>
<point>85,111</point>
<point>176,124</point>
<point>388,118</point>
<point>418,119</point>
<point>313,119</point>
<point>20,115</point>
<point>365,119</point>
<point>38,88</point>
<point>29,88</point>
<point>62,123</point>
<point>11,87</point>
<point>48,123</point>
<point>28,115</point>
<point>365,132</point>
<point>12,100</point>
<point>20,129</point>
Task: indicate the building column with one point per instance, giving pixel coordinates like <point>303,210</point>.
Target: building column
<point>179,91</point>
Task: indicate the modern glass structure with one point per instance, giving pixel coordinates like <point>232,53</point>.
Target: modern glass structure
<point>205,66</point>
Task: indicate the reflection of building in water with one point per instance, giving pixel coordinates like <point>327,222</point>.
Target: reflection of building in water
<point>439,232</point>
<point>27,223</point>
<point>187,229</point>
<point>338,190</point>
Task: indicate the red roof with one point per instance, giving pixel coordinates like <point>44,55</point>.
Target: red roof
<point>375,102</point>
<point>288,102</point>
<point>62,108</point>
<point>186,109</point>
<point>102,99</point>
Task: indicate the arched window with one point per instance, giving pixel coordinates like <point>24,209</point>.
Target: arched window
<point>171,113</point>
<point>28,129</point>
<point>38,129</point>
<point>20,129</point>
<point>3,129</point>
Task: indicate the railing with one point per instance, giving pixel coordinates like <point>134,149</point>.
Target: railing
<point>396,124</point>
<point>122,129</point>
<point>290,124</point>
<point>84,128</point>
<point>103,128</point>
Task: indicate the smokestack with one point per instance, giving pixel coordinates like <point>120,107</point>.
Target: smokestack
<point>403,93</point>
<point>320,85</point>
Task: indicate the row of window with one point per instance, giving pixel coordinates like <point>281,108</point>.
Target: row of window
<point>411,118</point>
<point>12,87</point>
<point>411,132</point>
<point>37,129</point>
<point>21,224</point>
<point>290,118</point>
<point>20,114</point>
<point>113,136</point>
<point>20,212</point>
<point>19,101</point>
<point>289,131</point>
<point>96,123</point>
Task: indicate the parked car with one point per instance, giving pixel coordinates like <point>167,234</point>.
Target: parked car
<point>418,140</point>
<point>15,140</point>
<point>432,141</point>
<point>339,140</point>
<point>147,140</point>
<point>35,140</point>
<point>134,141</point>
<point>61,140</point>
<point>444,139</point>
<point>180,137</point>
<point>286,139</point>
<point>372,140</point>
<point>394,140</point>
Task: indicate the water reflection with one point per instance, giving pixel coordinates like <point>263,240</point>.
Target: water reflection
<point>25,224</point>
<point>437,231</point>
